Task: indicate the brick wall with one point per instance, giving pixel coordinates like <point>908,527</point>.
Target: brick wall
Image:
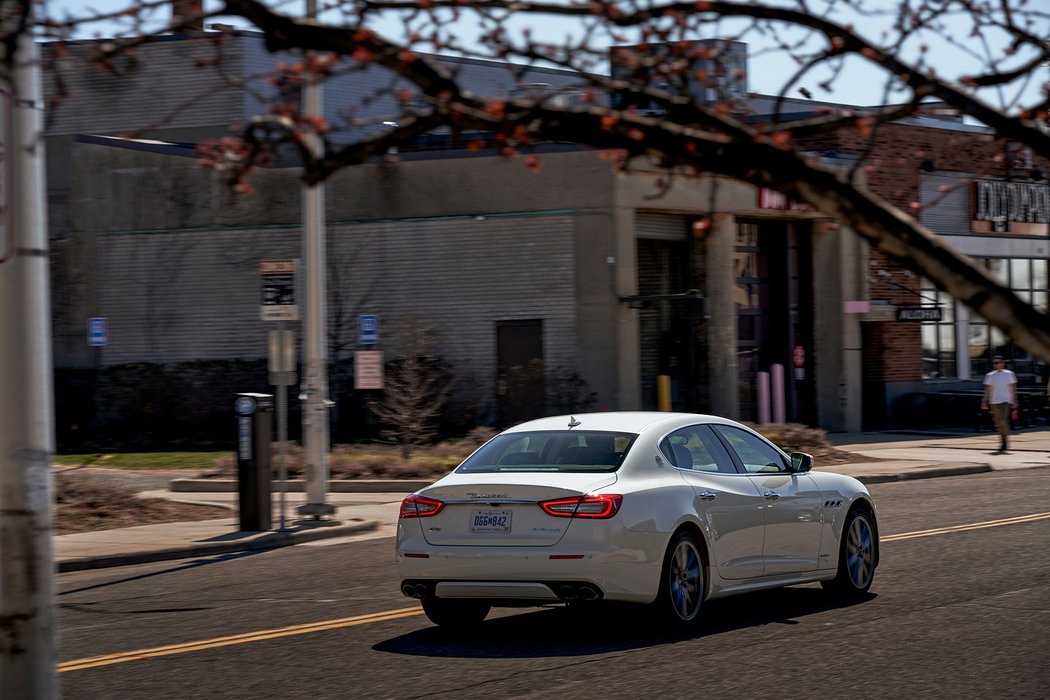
<point>894,155</point>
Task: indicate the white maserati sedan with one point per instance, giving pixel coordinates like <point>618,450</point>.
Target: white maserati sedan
<point>667,509</point>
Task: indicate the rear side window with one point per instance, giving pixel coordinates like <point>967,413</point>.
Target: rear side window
<point>697,449</point>
<point>757,455</point>
<point>551,451</point>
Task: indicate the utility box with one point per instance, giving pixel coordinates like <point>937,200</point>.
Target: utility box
<point>254,437</point>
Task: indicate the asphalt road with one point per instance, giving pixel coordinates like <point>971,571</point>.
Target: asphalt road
<point>953,613</point>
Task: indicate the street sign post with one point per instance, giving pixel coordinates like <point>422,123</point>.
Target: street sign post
<point>282,375</point>
<point>7,234</point>
<point>278,291</point>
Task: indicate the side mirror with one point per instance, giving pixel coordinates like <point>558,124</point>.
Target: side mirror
<point>801,462</point>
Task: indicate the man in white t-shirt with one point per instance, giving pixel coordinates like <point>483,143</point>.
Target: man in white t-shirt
<point>1000,395</point>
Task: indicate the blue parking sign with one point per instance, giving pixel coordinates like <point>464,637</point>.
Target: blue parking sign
<point>97,335</point>
<point>369,329</point>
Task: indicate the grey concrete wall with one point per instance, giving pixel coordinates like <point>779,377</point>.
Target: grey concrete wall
<point>172,258</point>
<point>840,274</point>
<point>598,355</point>
<point>161,84</point>
<point>724,369</point>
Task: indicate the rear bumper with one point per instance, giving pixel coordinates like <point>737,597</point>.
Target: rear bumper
<point>504,592</point>
<point>621,565</point>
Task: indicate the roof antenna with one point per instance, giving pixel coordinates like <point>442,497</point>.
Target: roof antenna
<point>573,422</point>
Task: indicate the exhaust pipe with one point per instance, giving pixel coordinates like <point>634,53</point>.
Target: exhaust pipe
<point>421,591</point>
<point>567,593</point>
<point>408,590</point>
<point>588,593</point>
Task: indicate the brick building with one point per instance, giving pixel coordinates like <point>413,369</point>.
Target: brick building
<point>927,372</point>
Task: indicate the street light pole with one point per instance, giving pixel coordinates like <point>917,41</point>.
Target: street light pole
<point>27,632</point>
<point>315,415</point>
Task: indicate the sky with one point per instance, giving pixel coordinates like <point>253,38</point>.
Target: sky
<point>857,83</point>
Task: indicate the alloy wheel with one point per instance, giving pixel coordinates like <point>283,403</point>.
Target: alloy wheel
<point>685,579</point>
<point>860,552</point>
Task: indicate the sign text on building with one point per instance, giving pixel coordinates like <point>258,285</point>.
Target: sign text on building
<point>771,199</point>
<point>919,313</point>
<point>1020,208</point>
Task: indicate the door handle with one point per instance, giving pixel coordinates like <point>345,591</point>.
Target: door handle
<point>707,495</point>
<point>771,495</point>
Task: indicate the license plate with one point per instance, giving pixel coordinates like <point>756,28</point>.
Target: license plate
<point>490,521</point>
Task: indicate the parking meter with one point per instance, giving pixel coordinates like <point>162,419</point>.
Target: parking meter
<point>254,435</point>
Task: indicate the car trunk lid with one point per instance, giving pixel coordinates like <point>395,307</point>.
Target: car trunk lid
<point>502,510</point>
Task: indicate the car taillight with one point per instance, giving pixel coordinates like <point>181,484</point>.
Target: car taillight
<point>420,507</point>
<point>602,505</point>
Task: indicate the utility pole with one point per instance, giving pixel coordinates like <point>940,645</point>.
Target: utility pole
<point>315,415</point>
<point>27,631</point>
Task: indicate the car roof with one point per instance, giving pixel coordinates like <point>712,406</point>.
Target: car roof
<point>619,421</point>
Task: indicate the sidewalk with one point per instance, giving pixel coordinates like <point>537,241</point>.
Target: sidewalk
<point>368,508</point>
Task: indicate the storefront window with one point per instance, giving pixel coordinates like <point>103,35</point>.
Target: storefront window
<point>1028,279</point>
<point>938,337</point>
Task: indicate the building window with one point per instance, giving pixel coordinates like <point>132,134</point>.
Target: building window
<point>1028,279</point>
<point>938,337</point>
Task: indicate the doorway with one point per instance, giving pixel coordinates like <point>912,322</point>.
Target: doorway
<point>774,300</point>
<point>521,390</point>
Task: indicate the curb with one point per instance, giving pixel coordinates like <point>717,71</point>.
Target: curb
<point>957,470</point>
<point>263,542</point>
<point>297,485</point>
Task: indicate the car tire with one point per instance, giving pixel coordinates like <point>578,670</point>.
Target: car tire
<point>456,614</point>
<point>857,555</point>
<point>682,583</point>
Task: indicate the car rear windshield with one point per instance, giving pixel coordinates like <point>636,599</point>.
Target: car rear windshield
<point>551,451</point>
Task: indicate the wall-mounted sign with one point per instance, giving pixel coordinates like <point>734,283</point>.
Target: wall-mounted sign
<point>368,369</point>
<point>856,307</point>
<point>368,329</point>
<point>98,332</point>
<point>771,199</point>
<point>1018,208</point>
<point>918,313</point>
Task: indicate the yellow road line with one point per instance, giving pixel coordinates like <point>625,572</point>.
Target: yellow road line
<point>962,528</point>
<point>324,625</point>
<point>258,636</point>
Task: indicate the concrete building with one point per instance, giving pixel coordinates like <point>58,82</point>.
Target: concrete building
<point>570,267</point>
<point>541,289</point>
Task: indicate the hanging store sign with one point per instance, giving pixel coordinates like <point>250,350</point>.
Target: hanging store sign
<point>1017,208</point>
<point>918,313</point>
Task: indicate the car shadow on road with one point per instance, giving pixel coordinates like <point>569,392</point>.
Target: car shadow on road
<point>558,631</point>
